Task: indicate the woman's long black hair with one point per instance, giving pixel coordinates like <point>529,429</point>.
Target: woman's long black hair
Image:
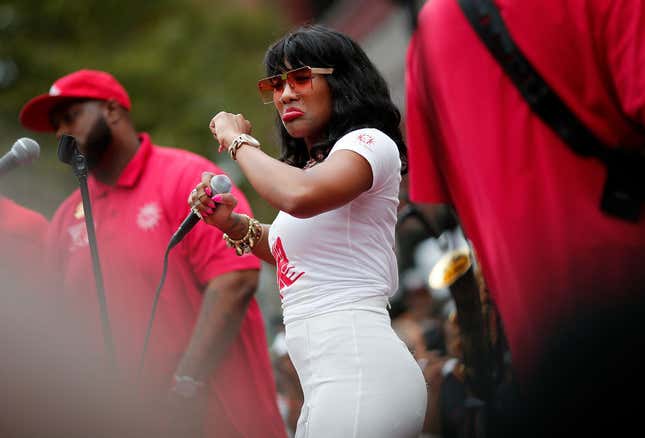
<point>360,95</point>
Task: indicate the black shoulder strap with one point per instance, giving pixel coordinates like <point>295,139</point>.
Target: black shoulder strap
<point>625,186</point>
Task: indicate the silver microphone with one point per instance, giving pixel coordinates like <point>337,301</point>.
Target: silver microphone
<point>24,151</point>
<point>219,184</point>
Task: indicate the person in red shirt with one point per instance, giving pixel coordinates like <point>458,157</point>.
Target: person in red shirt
<point>527,202</point>
<point>22,240</point>
<point>207,356</point>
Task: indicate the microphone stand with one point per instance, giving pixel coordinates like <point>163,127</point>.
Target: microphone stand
<point>68,153</point>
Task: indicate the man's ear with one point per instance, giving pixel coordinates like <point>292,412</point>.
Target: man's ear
<point>114,111</point>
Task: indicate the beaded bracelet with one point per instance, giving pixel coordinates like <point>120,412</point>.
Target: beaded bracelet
<point>246,243</point>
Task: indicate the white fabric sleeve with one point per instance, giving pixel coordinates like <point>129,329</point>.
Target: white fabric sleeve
<point>377,148</point>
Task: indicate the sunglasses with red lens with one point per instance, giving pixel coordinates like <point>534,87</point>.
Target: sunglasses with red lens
<point>298,79</point>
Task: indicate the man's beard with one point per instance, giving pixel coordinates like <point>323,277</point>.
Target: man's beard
<point>98,142</point>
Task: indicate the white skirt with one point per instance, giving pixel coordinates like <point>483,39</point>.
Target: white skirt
<point>359,379</point>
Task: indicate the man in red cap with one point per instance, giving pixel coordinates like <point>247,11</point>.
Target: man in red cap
<point>208,347</point>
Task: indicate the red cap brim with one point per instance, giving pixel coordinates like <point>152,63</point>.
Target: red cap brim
<point>35,114</point>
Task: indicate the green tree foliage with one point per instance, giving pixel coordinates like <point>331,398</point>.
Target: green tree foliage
<point>181,62</point>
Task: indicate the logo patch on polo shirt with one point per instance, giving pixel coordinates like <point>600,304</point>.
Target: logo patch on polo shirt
<point>79,213</point>
<point>149,216</point>
<point>78,234</point>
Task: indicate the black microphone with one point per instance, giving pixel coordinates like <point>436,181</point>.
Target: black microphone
<point>219,184</point>
<point>24,151</point>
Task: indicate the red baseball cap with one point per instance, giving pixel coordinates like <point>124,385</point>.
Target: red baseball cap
<point>82,84</point>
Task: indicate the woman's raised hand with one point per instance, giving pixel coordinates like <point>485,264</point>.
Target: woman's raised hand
<point>226,126</point>
<point>214,208</point>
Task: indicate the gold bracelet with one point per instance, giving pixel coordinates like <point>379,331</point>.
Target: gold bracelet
<point>246,243</point>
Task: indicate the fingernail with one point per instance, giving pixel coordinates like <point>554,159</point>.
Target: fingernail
<point>217,198</point>
<point>208,192</point>
<point>209,211</point>
<point>211,204</point>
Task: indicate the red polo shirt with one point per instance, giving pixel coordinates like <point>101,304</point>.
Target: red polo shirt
<point>134,221</point>
<point>525,200</point>
<point>22,241</point>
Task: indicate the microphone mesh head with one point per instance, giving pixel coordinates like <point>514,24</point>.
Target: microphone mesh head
<point>221,184</point>
<point>26,150</point>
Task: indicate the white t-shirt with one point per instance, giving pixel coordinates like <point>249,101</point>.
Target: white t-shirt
<point>328,261</point>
